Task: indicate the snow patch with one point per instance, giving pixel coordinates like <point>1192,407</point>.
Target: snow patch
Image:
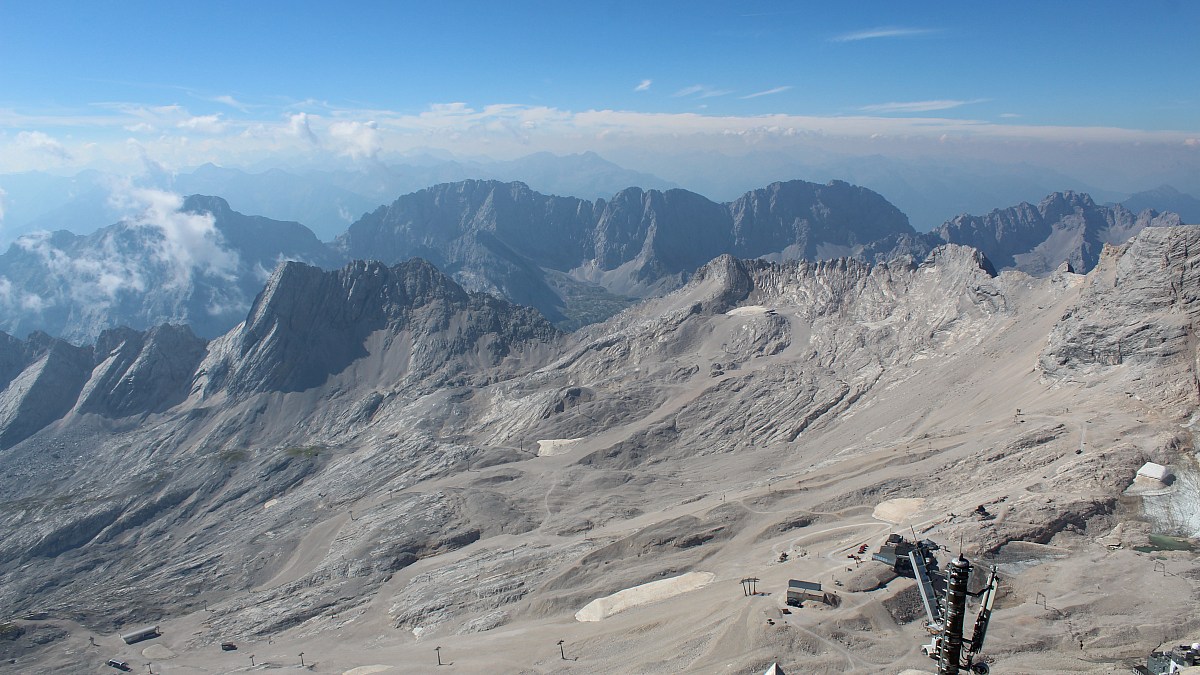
<point>748,310</point>
<point>602,608</point>
<point>556,446</point>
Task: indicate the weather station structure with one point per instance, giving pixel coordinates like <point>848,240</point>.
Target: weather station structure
<point>944,597</point>
<point>1170,660</point>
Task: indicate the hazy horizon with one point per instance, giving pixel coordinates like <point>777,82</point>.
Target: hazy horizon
<point>1103,97</point>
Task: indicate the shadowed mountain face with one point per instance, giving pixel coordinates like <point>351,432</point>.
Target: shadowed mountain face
<point>308,325</point>
<point>357,457</point>
<point>126,373</point>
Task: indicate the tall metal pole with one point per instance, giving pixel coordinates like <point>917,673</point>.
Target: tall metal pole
<point>956,608</point>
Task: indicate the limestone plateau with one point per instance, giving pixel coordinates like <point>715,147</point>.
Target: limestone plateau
<point>377,462</point>
<point>576,261</point>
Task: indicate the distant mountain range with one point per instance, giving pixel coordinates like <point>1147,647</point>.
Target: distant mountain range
<point>1166,198</point>
<point>1064,227</point>
<point>325,200</point>
<point>577,261</point>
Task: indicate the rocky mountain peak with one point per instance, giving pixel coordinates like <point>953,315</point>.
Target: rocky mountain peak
<point>308,325</point>
<point>1064,227</point>
<point>960,257</point>
<point>1055,206</point>
<point>217,206</point>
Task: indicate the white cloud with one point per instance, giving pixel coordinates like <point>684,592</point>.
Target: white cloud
<point>298,126</point>
<point>3,194</point>
<point>358,140</point>
<point>204,124</point>
<point>1009,115</point>
<point>644,85</point>
<point>159,244</point>
<point>231,102</point>
<point>768,92</point>
<point>918,106</point>
<point>505,131</point>
<point>90,280</point>
<point>454,108</point>
<point>42,143</point>
<point>31,302</point>
<point>701,91</point>
<point>882,32</point>
<point>189,242</point>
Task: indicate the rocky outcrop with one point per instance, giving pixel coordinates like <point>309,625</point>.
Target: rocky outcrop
<point>141,372</point>
<point>1136,319</point>
<point>46,377</point>
<point>127,372</point>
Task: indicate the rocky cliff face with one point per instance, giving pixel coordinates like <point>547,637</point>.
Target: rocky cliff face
<point>1064,227</point>
<point>1136,320</point>
<point>127,372</point>
<point>139,372</point>
<point>811,221</point>
<point>45,376</point>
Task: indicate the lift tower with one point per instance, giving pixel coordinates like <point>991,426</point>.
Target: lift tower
<point>956,608</point>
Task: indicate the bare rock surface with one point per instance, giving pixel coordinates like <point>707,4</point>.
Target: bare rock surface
<point>391,420</point>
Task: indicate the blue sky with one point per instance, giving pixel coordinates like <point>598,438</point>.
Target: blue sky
<point>113,83</point>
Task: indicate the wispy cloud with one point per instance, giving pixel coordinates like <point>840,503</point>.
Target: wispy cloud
<point>644,85</point>
<point>882,32</point>
<point>701,91</point>
<point>918,106</point>
<point>84,137</point>
<point>204,124</point>
<point>231,102</point>
<point>1009,115</point>
<point>768,92</point>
